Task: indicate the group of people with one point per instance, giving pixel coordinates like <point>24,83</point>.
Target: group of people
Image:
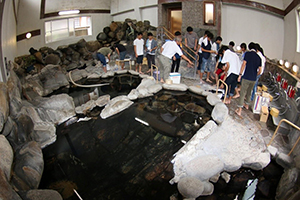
<point>244,67</point>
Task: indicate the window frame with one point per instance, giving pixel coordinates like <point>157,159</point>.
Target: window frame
<point>204,13</point>
<point>68,28</point>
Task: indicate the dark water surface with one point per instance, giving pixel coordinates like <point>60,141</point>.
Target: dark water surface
<point>121,158</point>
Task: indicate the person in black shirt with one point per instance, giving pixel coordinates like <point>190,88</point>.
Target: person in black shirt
<point>121,50</point>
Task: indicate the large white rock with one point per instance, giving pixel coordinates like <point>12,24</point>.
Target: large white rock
<point>176,87</point>
<point>154,88</point>
<point>115,106</point>
<point>6,156</point>
<point>102,100</point>
<point>219,112</point>
<point>229,143</point>
<point>133,94</point>
<point>204,167</point>
<point>190,187</point>
<point>196,90</point>
<point>213,99</point>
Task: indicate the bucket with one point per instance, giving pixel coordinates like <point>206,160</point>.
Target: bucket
<point>154,75</point>
<point>175,77</point>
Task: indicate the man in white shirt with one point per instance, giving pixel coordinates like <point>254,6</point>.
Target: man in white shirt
<point>259,52</point>
<point>168,50</point>
<point>233,67</point>
<point>138,45</point>
<point>200,51</point>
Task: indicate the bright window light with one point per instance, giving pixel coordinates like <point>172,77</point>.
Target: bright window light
<point>68,12</point>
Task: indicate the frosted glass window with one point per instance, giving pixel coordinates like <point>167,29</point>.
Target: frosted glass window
<point>209,14</point>
<point>61,29</point>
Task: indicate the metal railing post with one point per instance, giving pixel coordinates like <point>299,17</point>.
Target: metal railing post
<point>275,132</point>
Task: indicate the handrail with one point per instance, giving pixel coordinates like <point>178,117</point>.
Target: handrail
<point>275,132</point>
<point>225,90</point>
<point>87,86</point>
<point>156,71</point>
<point>171,37</point>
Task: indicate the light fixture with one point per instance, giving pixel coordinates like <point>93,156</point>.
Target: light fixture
<point>295,68</point>
<point>238,48</point>
<point>287,64</point>
<point>28,35</point>
<point>68,12</point>
<point>281,62</point>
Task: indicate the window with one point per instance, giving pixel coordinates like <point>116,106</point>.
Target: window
<point>209,14</point>
<point>61,29</point>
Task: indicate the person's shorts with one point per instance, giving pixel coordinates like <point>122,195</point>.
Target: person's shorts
<point>139,59</point>
<point>102,59</point>
<point>122,55</point>
<point>219,71</point>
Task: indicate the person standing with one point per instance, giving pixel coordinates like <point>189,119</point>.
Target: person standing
<point>138,45</point>
<point>200,53</point>
<point>215,47</point>
<point>206,51</point>
<point>176,58</point>
<point>168,50</point>
<point>251,67</point>
<point>121,50</point>
<point>151,46</point>
<point>259,52</point>
<point>102,53</point>
<point>233,67</point>
<point>191,42</point>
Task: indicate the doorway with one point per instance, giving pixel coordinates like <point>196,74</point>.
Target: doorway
<point>174,19</point>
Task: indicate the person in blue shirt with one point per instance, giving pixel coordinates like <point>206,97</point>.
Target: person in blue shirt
<point>251,67</point>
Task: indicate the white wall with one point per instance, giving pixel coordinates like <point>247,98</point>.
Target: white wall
<point>29,19</point>
<point>140,10</point>
<point>274,3</point>
<point>246,25</point>
<point>290,38</point>
<point>58,5</point>
<point>8,37</point>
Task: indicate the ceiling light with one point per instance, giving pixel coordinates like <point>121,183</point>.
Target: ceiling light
<point>28,35</point>
<point>68,12</point>
<point>281,62</point>
<point>295,68</point>
<point>238,48</point>
<point>287,64</point>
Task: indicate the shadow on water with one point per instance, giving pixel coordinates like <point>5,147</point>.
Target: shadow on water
<point>119,157</point>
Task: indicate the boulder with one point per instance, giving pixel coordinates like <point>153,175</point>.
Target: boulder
<point>176,87</point>
<point>93,46</point>
<point>55,109</point>
<point>8,127</point>
<point>133,94</point>
<point>7,192</point>
<point>113,26</point>
<point>154,88</point>
<point>81,43</point>
<point>204,167</point>
<point>78,74</point>
<point>286,185</point>
<point>6,156</point>
<point>14,92</point>
<point>196,90</point>
<point>101,37</point>
<point>106,29</point>
<point>190,187</point>
<point>4,104</point>
<point>52,59</point>
<point>213,99</point>
<point>219,112</point>
<point>25,128</point>
<point>115,106</point>
<point>102,100</point>
<point>40,195</point>
<point>28,167</point>
<point>208,188</point>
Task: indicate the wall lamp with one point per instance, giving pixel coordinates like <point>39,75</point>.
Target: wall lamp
<point>68,12</point>
<point>28,35</point>
<point>287,64</point>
